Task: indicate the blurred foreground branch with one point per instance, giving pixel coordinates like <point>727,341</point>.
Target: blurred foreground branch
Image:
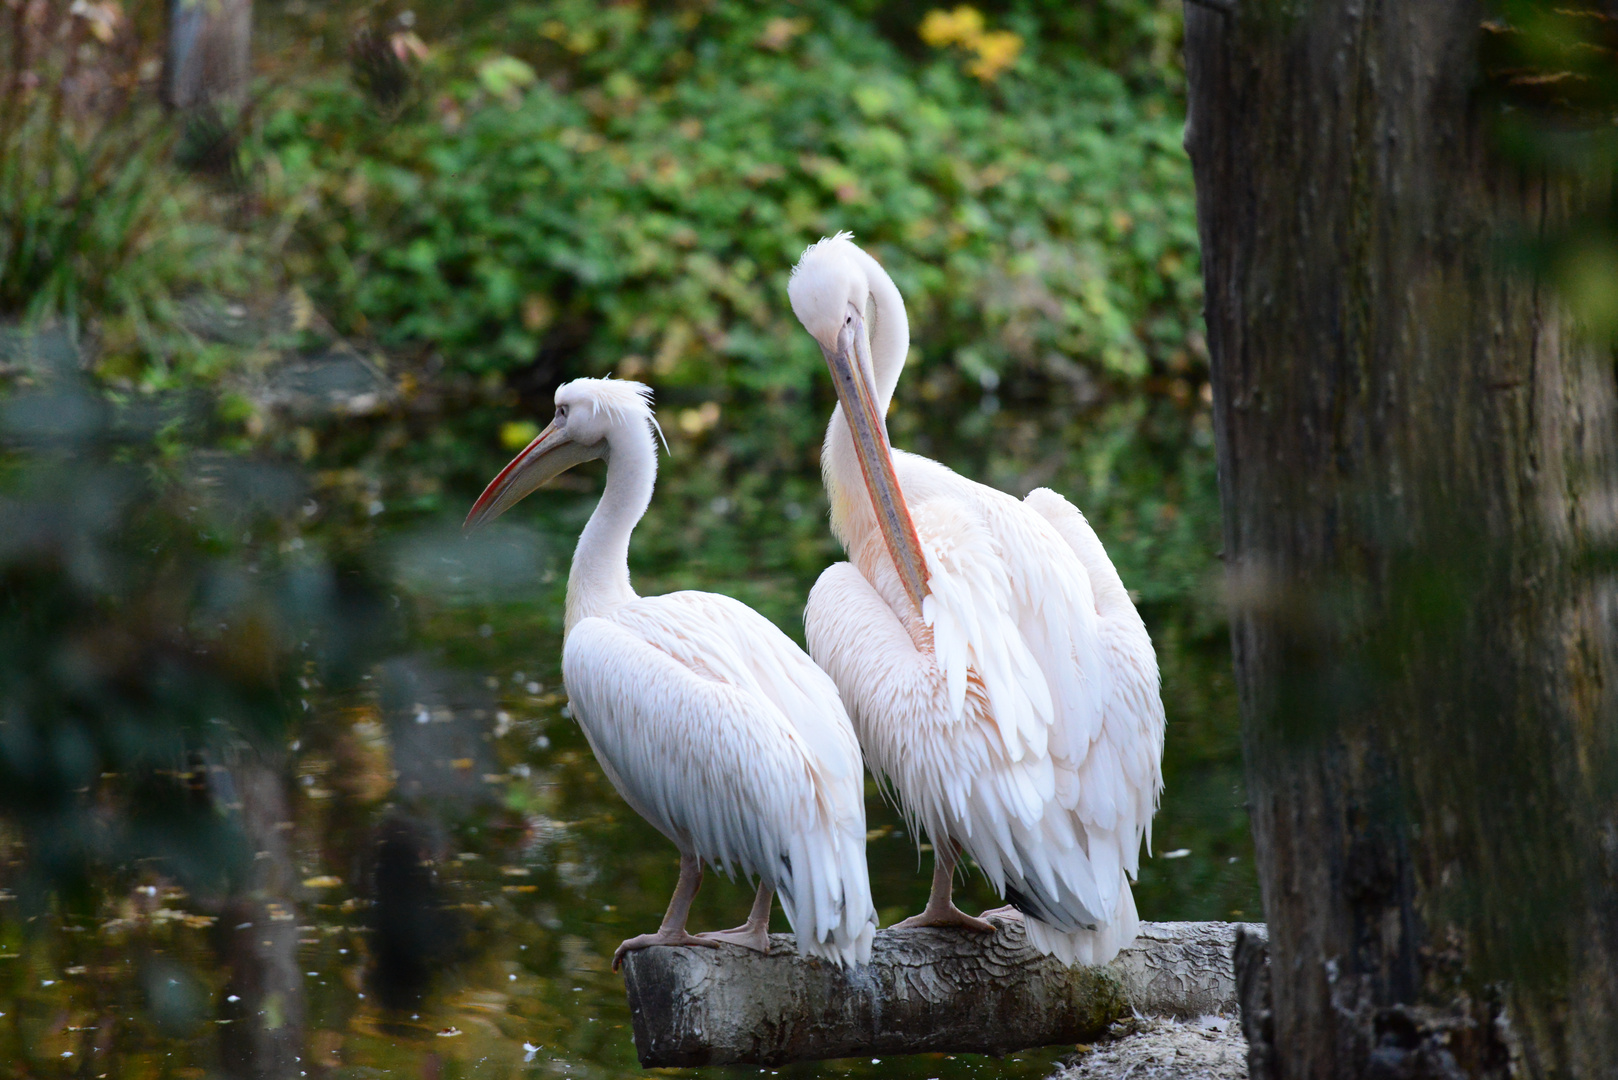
<point>926,991</point>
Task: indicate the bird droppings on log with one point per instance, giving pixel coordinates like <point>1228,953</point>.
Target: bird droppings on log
<point>925,991</point>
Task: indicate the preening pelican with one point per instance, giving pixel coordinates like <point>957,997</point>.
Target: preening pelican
<point>999,678</point>
<point>708,720</point>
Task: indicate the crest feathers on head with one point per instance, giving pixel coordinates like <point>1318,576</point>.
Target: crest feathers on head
<point>842,237</point>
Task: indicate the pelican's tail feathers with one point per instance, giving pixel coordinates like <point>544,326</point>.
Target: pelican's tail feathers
<point>826,895</point>
<point>1088,947</point>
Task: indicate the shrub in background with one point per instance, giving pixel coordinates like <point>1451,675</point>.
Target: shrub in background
<point>625,188</point>
<point>98,229</point>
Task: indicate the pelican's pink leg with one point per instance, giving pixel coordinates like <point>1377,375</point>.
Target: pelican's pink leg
<point>940,909</point>
<point>755,932</point>
<point>672,932</point>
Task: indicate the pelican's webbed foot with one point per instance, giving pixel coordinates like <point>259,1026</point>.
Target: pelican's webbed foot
<point>940,909</point>
<point>662,937</point>
<point>947,914</point>
<point>748,936</point>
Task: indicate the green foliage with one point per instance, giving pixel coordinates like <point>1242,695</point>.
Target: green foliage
<point>98,228</point>
<point>638,208</point>
<point>1549,73</point>
<point>1138,39</point>
<point>80,197</point>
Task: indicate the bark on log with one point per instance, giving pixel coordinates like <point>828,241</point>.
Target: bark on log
<point>925,991</point>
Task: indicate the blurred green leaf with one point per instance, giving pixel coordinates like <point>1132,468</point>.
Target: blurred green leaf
<point>505,76</point>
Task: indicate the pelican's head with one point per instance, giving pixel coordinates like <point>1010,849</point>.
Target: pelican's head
<point>589,412</point>
<point>829,288</point>
<point>829,291</point>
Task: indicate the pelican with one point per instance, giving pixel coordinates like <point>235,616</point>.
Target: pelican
<point>707,719</point>
<point>998,676</point>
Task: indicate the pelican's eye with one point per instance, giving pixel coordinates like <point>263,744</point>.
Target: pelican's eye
<point>561,414</point>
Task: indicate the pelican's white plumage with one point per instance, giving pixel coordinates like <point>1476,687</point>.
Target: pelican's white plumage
<point>718,730</point>
<point>1017,714</point>
<point>707,719</point>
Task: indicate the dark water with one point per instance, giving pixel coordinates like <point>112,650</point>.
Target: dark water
<point>458,871</point>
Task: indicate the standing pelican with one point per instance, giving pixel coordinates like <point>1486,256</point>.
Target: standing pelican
<point>998,675</point>
<point>708,720</point>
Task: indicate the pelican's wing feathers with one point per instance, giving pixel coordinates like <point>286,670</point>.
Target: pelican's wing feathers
<point>718,730</point>
<point>1132,717</point>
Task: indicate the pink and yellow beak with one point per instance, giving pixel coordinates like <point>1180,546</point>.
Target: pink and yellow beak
<point>550,455</point>
<point>850,364</point>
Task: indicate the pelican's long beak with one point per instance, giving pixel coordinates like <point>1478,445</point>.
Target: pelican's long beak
<point>550,455</point>
<point>850,365</point>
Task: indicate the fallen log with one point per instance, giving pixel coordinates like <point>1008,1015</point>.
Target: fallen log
<point>925,991</point>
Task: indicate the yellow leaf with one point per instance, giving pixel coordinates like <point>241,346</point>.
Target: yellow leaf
<point>696,421</point>
<point>996,52</point>
<point>516,434</point>
<point>303,309</point>
<point>963,26</point>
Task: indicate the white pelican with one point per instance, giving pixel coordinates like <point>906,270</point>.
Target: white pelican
<point>999,677</point>
<point>708,720</point>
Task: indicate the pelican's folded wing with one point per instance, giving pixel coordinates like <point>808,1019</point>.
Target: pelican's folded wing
<point>716,733</point>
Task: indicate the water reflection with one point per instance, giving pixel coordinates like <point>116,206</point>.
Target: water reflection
<point>291,796</point>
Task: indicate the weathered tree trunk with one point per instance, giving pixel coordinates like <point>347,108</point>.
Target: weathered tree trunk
<point>1415,453</point>
<point>209,50</point>
<point>925,991</point>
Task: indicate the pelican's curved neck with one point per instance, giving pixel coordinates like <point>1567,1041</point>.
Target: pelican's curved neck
<point>599,580</point>
<point>890,331</point>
